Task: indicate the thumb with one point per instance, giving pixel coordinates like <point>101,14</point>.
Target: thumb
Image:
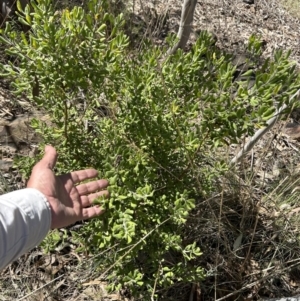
<point>49,158</point>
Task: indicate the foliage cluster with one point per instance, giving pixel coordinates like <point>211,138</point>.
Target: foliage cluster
<point>150,124</point>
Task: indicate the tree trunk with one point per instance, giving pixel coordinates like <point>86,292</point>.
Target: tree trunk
<point>185,27</point>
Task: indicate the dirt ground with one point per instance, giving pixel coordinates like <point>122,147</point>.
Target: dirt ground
<point>63,275</point>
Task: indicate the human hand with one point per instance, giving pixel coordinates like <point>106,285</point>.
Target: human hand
<point>69,203</point>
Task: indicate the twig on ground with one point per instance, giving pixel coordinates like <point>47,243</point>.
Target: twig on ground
<point>259,281</point>
<point>32,293</point>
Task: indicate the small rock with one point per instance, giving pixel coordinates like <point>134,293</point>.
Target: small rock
<point>6,164</point>
<point>292,130</point>
<point>248,1</point>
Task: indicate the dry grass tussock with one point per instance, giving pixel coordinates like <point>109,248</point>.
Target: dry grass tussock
<point>248,230</point>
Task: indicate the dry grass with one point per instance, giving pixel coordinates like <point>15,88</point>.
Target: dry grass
<point>249,230</point>
<point>293,6</point>
<point>53,277</point>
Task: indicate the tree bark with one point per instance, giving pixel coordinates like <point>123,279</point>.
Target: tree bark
<point>185,27</point>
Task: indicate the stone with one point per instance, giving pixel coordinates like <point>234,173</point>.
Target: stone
<point>6,164</point>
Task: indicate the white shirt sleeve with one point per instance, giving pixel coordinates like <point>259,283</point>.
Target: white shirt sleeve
<point>25,219</point>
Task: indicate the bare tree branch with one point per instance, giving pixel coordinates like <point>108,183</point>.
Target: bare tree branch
<point>260,133</point>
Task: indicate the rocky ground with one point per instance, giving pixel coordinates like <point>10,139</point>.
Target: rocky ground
<point>63,275</point>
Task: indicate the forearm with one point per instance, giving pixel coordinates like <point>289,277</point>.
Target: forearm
<point>25,220</point>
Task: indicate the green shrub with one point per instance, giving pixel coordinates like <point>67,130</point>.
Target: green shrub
<point>152,125</point>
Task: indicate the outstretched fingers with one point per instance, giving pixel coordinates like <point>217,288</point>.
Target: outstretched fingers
<point>91,212</point>
<point>82,175</point>
<point>87,200</point>
<point>91,187</point>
